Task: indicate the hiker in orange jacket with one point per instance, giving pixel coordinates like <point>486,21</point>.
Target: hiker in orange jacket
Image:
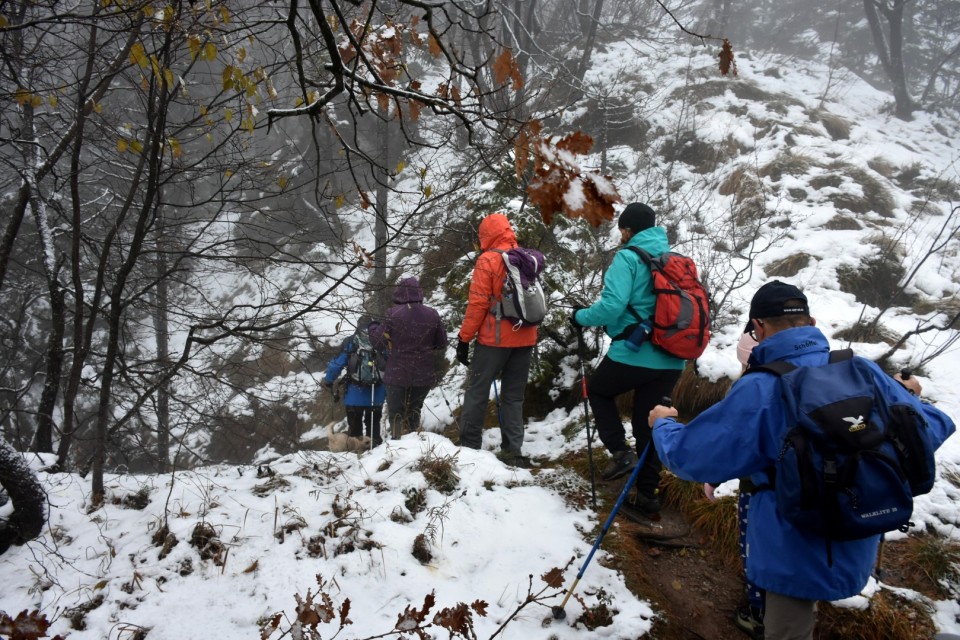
<point>503,347</point>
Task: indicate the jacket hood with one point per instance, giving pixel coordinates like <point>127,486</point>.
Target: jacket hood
<point>652,240</point>
<point>496,232</point>
<point>796,344</point>
<point>408,290</point>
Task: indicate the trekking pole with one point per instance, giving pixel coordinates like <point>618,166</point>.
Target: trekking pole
<point>559,613</point>
<point>496,396</point>
<point>373,391</point>
<point>581,352</point>
<point>878,565</point>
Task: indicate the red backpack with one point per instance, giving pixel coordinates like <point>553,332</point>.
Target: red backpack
<point>681,318</point>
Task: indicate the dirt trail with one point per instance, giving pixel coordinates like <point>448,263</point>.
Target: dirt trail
<point>672,566</point>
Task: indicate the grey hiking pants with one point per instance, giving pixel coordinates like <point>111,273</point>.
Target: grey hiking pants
<point>787,618</point>
<point>512,364</point>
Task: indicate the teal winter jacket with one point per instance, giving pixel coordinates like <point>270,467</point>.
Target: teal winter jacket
<point>628,281</point>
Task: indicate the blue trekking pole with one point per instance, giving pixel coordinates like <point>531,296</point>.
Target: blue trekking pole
<point>559,613</point>
<point>496,396</point>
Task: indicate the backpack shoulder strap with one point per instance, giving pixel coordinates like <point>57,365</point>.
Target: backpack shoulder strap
<point>646,257</point>
<point>840,355</point>
<point>777,368</point>
<point>782,367</point>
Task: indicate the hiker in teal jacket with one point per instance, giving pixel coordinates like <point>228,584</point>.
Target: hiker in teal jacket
<point>646,370</point>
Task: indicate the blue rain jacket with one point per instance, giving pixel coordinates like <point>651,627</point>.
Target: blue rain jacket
<point>741,436</point>
<point>628,281</point>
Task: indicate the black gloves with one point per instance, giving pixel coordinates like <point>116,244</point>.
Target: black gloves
<point>463,353</point>
<point>573,317</point>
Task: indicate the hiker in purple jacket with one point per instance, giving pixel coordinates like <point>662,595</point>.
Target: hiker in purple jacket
<point>412,332</point>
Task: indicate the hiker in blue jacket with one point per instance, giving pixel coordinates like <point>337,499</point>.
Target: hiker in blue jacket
<point>647,370</point>
<point>363,402</point>
<point>741,436</point>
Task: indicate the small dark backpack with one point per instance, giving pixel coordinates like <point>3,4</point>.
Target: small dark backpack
<point>365,364</point>
<point>681,318</point>
<point>851,461</point>
<point>522,298</point>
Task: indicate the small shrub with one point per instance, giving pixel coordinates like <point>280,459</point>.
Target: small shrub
<point>837,126</point>
<point>416,500</point>
<point>866,332</point>
<point>875,281</point>
<point>164,539</point>
<point>276,483</point>
<point>786,163</point>
<point>842,222</point>
<point>932,563</point>
<point>788,267</point>
<point>421,549</point>
<point>694,394</point>
<point>439,471</point>
<point>204,538</point>
<point>78,615</point>
<point>138,500</point>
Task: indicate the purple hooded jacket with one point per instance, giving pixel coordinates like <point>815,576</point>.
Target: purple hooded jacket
<point>412,331</point>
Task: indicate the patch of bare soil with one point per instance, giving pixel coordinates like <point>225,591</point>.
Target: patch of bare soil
<point>671,565</point>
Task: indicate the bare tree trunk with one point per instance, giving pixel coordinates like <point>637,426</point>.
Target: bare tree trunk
<point>591,39</point>
<point>378,283</point>
<point>161,325</point>
<point>890,50</point>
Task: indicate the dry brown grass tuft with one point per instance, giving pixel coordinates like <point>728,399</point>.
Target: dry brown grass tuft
<point>694,394</point>
<point>439,471</point>
<point>889,617</point>
<point>715,520</point>
<point>787,267</point>
<point>931,564</point>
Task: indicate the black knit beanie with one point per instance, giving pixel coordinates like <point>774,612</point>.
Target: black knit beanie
<point>637,217</point>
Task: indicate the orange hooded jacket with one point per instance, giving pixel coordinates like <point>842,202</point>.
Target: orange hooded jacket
<point>485,287</point>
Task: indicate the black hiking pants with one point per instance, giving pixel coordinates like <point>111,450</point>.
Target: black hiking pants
<point>649,386</point>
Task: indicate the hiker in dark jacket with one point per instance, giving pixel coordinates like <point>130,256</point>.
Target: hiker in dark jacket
<point>647,371</point>
<point>363,403</point>
<point>742,436</point>
<point>413,333</point>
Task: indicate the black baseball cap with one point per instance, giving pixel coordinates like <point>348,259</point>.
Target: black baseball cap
<point>770,301</point>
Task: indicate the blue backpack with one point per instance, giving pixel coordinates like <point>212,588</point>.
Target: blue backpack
<point>852,461</point>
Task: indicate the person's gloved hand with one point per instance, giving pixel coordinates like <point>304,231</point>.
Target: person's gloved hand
<point>573,317</point>
<point>334,391</point>
<point>463,353</point>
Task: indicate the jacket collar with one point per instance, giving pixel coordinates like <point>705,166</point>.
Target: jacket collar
<point>790,344</point>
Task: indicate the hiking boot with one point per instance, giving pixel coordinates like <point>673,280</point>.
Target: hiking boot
<point>748,622</point>
<point>620,464</point>
<point>641,509</point>
<point>515,460</point>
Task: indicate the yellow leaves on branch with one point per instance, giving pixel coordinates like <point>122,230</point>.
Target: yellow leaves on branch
<point>558,184</point>
<point>24,97</point>
<point>506,67</point>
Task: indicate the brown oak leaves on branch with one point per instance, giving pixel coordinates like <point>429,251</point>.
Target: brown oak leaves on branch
<point>558,184</point>
<point>728,64</point>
